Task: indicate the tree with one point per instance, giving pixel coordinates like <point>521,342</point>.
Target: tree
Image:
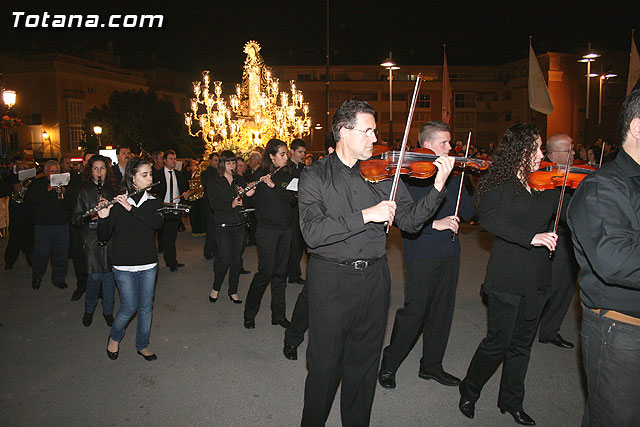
<point>138,119</point>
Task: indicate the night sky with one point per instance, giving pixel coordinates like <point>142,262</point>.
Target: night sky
<point>211,34</point>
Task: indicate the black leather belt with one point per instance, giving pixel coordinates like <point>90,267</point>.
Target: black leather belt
<point>358,264</point>
<point>231,225</point>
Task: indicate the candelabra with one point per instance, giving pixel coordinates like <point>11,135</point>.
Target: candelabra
<point>254,114</point>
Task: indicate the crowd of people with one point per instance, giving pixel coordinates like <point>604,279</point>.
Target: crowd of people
<point>114,220</point>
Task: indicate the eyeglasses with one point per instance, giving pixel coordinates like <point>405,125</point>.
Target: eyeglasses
<point>369,132</point>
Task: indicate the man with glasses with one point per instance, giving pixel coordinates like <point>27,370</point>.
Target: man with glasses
<point>564,268</point>
<point>342,217</point>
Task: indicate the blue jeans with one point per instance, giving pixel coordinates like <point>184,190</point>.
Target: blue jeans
<point>611,355</point>
<point>136,294</point>
<point>93,291</point>
<point>51,241</point>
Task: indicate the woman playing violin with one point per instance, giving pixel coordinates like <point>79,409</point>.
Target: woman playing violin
<point>518,273</point>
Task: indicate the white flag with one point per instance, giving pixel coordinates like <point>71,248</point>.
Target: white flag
<point>446,93</point>
<point>539,97</point>
<point>634,68</point>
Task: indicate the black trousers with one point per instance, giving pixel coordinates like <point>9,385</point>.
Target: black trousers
<point>347,316</point>
<point>295,254</point>
<point>197,217</point>
<point>78,257</point>
<point>430,296</point>
<point>563,283</point>
<point>294,334</point>
<point>509,338</point>
<point>273,253</point>
<point>20,236</point>
<point>169,236</point>
<point>231,241</point>
<point>210,247</point>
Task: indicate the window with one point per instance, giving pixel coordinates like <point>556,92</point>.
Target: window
<point>465,100</point>
<point>396,97</point>
<point>74,114</point>
<point>462,124</point>
<point>420,119</point>
<point>90,90</point>
<point>507,116</point>
<point>303,77</point>
<point>365,96</point>
<point>424,101</point>
<point>336,99</point>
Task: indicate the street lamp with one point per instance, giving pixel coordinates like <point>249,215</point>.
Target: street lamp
<point>390,65</point>
<point>603,78</point>
<point>9,100</point>
<point>46,137</point>
<point>98,131</point>
<point>589,57</point>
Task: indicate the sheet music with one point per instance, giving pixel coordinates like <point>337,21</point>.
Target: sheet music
<point>26,174</point>
<point>60,179</point>
<point>293,185</point>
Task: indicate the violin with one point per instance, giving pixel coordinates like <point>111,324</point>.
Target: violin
<point>551,176</point>
<point>417,163</point>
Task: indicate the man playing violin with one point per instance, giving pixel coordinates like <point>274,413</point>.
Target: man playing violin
<point>604,218</point>
<point>342,218</point>
<point>563,264</point>
<point>432,261</point>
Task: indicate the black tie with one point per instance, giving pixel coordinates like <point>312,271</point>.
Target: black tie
<point>170,186</point>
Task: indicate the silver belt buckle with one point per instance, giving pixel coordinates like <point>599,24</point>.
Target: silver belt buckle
<point>360,264</point>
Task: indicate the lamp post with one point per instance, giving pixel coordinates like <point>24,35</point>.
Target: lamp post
<point>390,65</point>
<point>589,57</point>
<point>9,100</point>
<point>46,137</point>
<point>317,126</point>
<point>98,131</point>
<point>603,78</point>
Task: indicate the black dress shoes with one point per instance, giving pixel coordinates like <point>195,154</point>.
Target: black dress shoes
<point>558,341</point>
<point>148,358</point>
<point>387,379</point>
<point>467,407</point>
<point>108,318</point>
<point>520,417</point>
<point>112,355</point>
<point>35,283</point>
<point>173,268</point>
<point>282,322</point>
<point>87,318</point>
<point>61,285</point>
<point>442,377</point>
<point>249,323</point>
<point>76,295</point>
<point>235,301</point>
<point>290,352</point>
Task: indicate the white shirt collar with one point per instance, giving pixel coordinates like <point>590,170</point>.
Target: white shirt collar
<point>146,196</point>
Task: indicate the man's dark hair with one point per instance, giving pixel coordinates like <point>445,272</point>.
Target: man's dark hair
<point>430,128</point>
<point>156,154</point>
<point>120,147</point>
<point>345,116</point>
<point>212,155</point>
<point>87,152</point>
<point>297,143</point>
<point>167,153</point>
<point>329,142</point>
<point>630,110</point>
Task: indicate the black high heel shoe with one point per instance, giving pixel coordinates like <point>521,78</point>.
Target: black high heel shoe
<point>148,358</point>
<point>112,355</point>
<point>235,301</point>
<point>212,299</point>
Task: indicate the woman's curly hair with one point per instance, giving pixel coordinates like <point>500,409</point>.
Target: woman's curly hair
<point>87,177</point>
<point>514,153</point>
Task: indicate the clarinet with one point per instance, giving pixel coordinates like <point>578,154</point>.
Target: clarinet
<point>95,224</point>
<point>114,201</point>
<point>99,188</point>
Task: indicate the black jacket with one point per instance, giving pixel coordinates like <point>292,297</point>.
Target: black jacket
<point>48,209</point>
<point>274,206</point>
<point>220,196</point>
<point>159,191</point>
<point>96,255</point>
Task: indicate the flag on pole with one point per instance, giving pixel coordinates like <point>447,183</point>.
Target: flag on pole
<point>446,92</point>
<point>633,81</point>
<point>539,97</point>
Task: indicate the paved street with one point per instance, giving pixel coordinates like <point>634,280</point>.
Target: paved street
<point>212,372</point>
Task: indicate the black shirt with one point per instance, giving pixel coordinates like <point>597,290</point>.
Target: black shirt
<point>221,194</point>
<point>274,206</point>
<point>47,207</point>
<point>331,197</point>
<point>604,218</point>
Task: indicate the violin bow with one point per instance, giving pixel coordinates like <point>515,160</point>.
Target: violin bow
<point>564,186</point>
<point>604,143</point>
<point>466,155</point>
<point>396,177</point>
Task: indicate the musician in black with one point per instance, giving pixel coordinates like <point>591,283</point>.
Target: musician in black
<point>123,154</point>
<point>173,188</point>
<point>20,217</point>
<point>273,234</point>
<point>230,224</point>
<point>97,185</point>
<point>210,250</point>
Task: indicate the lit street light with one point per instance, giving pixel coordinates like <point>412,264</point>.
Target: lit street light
<point>98,131</point>
<point>589,57</point>
<point>390,65</point>
<point>603,78</point>
<point>46,137</point>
